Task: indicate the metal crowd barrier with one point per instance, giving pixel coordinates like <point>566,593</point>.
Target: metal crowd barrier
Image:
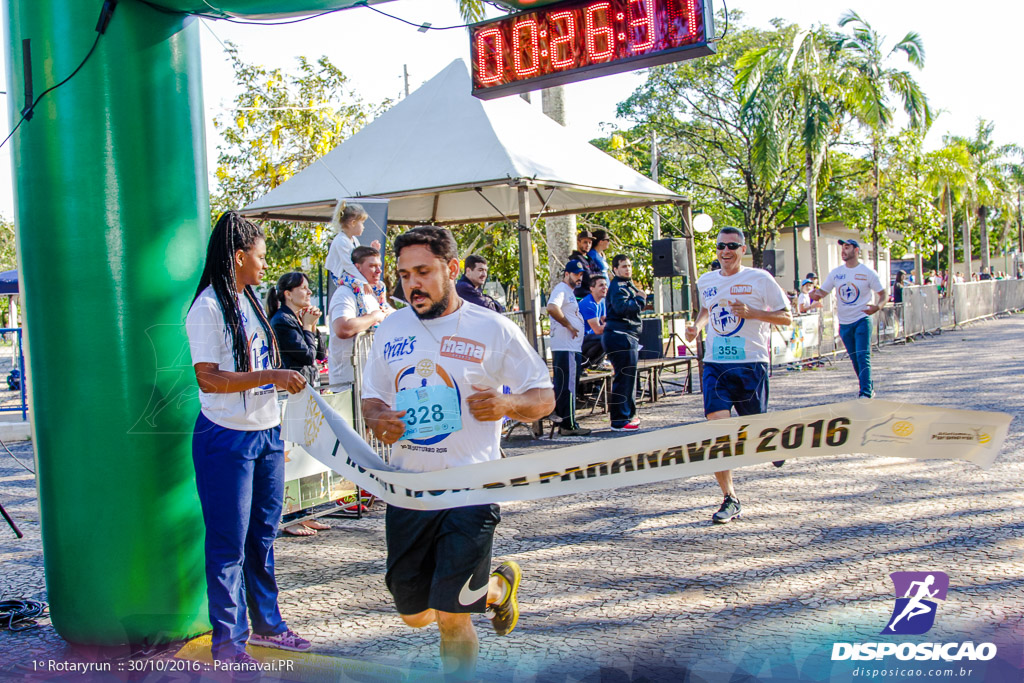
<point>923,311</point>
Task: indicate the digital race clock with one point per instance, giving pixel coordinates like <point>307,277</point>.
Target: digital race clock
<point>575,40</point>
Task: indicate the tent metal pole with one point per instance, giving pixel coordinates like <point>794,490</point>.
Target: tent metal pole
<point>527,276</point>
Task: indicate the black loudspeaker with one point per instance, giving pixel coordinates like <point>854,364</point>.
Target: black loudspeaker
<point>773,260</point>
<point>669,257</point>
<point>650,338</point>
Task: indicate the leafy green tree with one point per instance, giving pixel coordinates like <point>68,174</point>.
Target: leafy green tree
<point>906,207</point>
<point>802,75</point>
<point>872,85</point>
<point>988,166</point>
<point>709,148</point>
<point>279,123</point>
<point>948,176</point>
<point>8,250</point>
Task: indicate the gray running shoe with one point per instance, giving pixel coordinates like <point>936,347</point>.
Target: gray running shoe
<point>578,431</point>
<point>506,613</point>
<point>730,510</point>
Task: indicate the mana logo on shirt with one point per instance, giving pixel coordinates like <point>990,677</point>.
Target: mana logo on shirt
<point>741,289</point>
<point>849,293</point>
<point>724,322</point>
<point>460,348</point>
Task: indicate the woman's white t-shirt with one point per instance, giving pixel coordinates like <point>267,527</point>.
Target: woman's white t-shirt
<point>210,342</point>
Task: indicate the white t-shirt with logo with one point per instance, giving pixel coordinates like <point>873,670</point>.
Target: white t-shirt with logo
<point>563,297</point>
<point>854,287</point>
<point>339,351</point>
<point>474,345</point>
<point>210,342</point>
<point>731,339</point>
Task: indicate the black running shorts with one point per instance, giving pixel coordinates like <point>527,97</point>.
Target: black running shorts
<point>440,559</point>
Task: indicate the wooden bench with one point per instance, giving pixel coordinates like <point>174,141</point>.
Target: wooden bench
<point>650,378</point>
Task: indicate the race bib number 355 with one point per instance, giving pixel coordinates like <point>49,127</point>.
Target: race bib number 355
<point>728,349</point>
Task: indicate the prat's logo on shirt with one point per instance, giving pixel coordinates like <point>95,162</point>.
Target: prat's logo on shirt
<point>710,292</point>
<point>399,347</point>
<point>460,348</point>
<point>741,289</point>
<point>839,278</point>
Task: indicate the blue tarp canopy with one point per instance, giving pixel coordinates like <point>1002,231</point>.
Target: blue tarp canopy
<point>9,282</point>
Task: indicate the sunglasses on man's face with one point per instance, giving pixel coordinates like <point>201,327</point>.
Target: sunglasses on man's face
<point>731,246</point>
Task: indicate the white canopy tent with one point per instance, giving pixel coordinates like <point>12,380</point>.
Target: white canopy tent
<point>444,157</point>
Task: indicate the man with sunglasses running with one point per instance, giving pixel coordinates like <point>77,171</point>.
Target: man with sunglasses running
<point>739,305</point>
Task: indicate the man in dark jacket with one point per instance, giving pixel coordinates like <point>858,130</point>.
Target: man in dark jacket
<point>470,285</point>
<point>621,341</point>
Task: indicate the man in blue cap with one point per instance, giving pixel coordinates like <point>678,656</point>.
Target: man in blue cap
<point>854,283</point>
<point>803,299</point>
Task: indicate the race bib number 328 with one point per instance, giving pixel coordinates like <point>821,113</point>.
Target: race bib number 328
<point>429,411</point>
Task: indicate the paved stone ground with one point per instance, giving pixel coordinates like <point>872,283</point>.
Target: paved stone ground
<point>636,584</point>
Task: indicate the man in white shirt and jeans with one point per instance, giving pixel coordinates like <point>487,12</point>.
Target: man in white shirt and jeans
<point>567,347</point>
<point>854,283</point>
<point>352,312</point>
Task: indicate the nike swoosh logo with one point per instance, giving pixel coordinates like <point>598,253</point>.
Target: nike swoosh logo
<point>467,597</point>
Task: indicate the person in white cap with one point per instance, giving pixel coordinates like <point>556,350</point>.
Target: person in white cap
<point>854,283</point>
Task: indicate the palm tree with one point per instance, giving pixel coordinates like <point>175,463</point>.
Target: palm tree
<point>872,84</point>
<point>988,163</point>
<point>471,11</point>
<point>771,78</point>
<point>949,176</point>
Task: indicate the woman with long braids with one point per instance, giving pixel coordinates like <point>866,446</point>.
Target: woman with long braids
<point>236,445</point>
<point>293,318</point>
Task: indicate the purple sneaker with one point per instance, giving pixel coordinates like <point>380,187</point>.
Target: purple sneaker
<point>288,640</point>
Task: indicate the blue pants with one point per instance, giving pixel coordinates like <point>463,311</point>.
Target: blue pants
<point>566,367</point>
<point>623,352</point>
<point>857,340</point>
<point>240,477</point>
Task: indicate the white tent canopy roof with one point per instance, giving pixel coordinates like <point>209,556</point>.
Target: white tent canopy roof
<point>443,157</point>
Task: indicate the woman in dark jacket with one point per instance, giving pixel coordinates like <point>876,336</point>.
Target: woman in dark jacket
<point>293,318</point>
<point>897,289</point>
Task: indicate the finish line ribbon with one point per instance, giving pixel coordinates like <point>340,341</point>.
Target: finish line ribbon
<point>874,427</point>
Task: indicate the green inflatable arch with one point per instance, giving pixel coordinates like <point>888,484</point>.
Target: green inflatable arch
<point>113,217</point>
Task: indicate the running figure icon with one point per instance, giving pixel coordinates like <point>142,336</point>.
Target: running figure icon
<point>916,607</point>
